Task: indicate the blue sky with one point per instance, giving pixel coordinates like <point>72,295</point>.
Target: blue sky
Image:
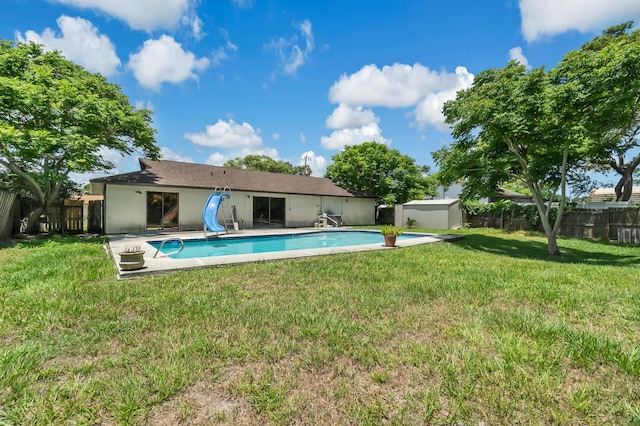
<point>296,79</point>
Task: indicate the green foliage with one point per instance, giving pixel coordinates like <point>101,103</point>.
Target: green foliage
<point>542,128</point>
<point>57,118</point>
<point>373,168</point>
<point>266,164</point>
<point>505,130</point>
<point>603,77</point>
<point>506,209</point>
<point>391,230</point>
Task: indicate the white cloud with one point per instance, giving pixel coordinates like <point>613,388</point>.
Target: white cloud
<point>275,136</point>
<point>317,163</point>
<point>79,42</point>
<point>517,55</point>
<point>216,159</point>
<point>164,60</point>
<point>398,85</point>
<point>429,110</point>
<point>303,138</point>
<point>542,18</point>
<point>228,44</point>
<point>144,105</point>
<point>169,154</point>
<point>227,135</point>
<point>219,55</point>
<point>346,116</point>
<point>145,15</point>
<point>196,25</point>
<point>243,4</point>
<point>354,136</point>
<point>269,152</point>
<point>289,52</point>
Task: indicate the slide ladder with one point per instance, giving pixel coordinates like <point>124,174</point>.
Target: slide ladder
<point>228,218</point>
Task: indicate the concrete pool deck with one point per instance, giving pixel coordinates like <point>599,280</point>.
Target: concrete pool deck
<point>164,264</point>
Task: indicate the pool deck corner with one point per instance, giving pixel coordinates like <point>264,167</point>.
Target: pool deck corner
<point>164,264</point>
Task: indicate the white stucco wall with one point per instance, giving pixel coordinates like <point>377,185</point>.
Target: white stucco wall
<point>358,211</point>
<point>455,215</point>
<point>125,208</point>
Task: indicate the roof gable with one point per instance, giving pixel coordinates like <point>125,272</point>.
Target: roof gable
<point>191,175</point>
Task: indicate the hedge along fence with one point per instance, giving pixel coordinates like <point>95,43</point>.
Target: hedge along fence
<point>7,200</point>
<point>502,214</point>
<point>620,224</point>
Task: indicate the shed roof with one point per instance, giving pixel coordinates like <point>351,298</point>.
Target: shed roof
<point>440,202</point>
<point>190,175</point>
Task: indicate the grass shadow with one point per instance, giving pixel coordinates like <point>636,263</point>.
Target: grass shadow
<point>41,240</point>
<point>570,252</point>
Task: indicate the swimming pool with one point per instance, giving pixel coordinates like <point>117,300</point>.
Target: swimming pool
<point>198,248</point>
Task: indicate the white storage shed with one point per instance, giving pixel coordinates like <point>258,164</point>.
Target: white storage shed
<point>437,214</point>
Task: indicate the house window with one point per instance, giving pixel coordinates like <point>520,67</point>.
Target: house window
<point>162,210</point>
<point>268,212</point>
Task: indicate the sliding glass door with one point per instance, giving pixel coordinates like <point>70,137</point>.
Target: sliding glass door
<point>162,210</point>
<point>268,212</point>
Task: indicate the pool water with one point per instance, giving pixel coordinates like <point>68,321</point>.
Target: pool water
<point>270,243</point>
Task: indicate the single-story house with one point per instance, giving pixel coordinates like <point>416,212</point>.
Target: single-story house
<point>171,195</point>
<point>508,195</point>
<point>438,214</point>
<point>455,190</point>
<point>601,195</point>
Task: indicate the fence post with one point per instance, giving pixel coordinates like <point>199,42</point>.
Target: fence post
<point>6,213</point>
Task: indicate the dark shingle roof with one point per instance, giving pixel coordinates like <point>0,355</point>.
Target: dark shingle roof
<point>173,173</point>
<point>511,194</point>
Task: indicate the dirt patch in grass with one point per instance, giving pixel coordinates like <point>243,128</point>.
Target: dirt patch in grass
<point>200,404</point>
<point>341,392</point>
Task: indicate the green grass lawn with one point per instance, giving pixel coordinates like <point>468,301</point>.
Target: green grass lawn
<point>487,329</point>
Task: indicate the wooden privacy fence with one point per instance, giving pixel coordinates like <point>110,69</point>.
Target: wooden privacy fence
<point>7,202</point>
<point>73,216</point>
<point>616,224</point>
<point>620,224</point>
<point>67,216</point>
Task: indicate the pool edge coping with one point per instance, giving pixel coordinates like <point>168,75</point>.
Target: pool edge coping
<point>163,265</point>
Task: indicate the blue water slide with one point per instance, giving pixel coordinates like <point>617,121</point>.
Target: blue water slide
<point>210,213</point>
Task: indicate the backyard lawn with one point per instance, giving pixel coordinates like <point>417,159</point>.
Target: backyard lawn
<point>486,330</point>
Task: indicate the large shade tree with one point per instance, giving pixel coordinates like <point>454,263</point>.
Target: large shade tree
<point>57,118</point>
<point>504,131</point>
<point>540,128</point>
<point>603,80</point>
<point>266,164</point>
<point>375,169</point>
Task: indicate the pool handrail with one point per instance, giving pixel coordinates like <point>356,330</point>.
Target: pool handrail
<point>166,240</point>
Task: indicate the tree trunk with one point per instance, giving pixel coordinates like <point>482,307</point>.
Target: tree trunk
<point>33,216</point>
<point>624,188</point>
<point>553,244</point>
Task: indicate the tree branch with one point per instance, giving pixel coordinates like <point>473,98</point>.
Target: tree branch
<point>30,182</point>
